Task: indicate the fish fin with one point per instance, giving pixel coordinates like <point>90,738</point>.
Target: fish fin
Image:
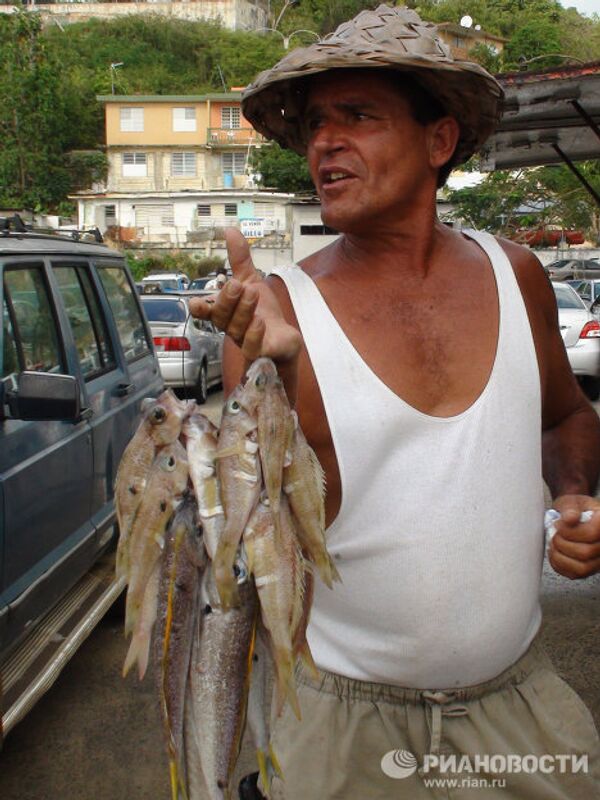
<point>268,768</point>
<point>139,649</point>
<point>178,789</point>
<point>334,572</point>
<point>131,656</point>
<point>303,651</point>
<point>286,682</point>
<point>234,450</point>
<point>224,576</point>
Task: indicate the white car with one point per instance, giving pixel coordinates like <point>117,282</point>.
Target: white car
<point>190,351</point>
<point>580,331</point>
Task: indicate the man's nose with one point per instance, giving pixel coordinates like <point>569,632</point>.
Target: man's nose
<point>328,137</point>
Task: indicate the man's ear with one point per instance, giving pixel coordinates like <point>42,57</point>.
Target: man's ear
<point>443,138</point>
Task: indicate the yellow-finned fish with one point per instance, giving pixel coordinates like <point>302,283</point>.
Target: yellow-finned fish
<point>167,481</point>
<point>304,485</point>
<point>182,566</point>
<point>160,426</point>
<point>275,560</point>
<point>219,680</point>
<point>265,396</point>
<point>239,473</point>
<point>202,438</point>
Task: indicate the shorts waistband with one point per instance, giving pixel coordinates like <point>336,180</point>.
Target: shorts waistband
<point>534,658</point>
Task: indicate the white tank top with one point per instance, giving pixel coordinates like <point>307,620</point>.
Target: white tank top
<point>439,537</point>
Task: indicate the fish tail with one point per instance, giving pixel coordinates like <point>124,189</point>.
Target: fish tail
<point>286,683</point>
<point>224,577</point>
<point>334,572</point>
<point>139,649</point>
<point>177,784</point>
<point>306,656</point>
<point>268,768</point>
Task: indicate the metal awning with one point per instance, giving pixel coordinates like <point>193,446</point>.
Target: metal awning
<point>550,116</point>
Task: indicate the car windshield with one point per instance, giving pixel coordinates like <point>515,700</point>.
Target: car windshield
<point>164,310</point>
<point>567,297</point>
<point>199,283</point>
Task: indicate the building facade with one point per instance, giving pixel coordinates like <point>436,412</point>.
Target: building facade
<point>232,14</point>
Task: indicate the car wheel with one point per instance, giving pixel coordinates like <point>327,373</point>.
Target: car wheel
<point>591,386</point>
<point>202,385</point>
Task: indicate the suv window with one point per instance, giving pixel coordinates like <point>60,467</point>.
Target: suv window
<point>88,326</point>
<point>122,300</point>
<point>30,320</point>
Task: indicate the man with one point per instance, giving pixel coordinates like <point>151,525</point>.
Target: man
<point>219,281</point>
<point>430,377</point>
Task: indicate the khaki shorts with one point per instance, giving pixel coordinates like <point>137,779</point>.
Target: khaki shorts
<point>526,735</point>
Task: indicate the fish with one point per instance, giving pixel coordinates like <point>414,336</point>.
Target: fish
<point>275,560</point>
<point>167,481</point>
<point>219,681</point>
<point>239,474</point>
<point>201,445</point>
<point>265,396</point>
<point>304,485</point>
<point>182,565</point>
<point>160,426</point>
<point>258,720</point>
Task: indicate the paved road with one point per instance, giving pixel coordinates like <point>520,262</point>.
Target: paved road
<point>95,736</point>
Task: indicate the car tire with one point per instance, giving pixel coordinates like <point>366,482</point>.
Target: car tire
<point>201,392</point>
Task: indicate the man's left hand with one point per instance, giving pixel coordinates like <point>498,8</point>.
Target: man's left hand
<point>575,548</point>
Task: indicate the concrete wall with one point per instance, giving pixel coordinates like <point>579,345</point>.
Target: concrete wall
<point>233,14</point>
<point>554,253</point>
<point>158,124</point>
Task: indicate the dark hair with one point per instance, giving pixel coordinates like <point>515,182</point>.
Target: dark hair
<point>425,109</point>
<point>221,270</point>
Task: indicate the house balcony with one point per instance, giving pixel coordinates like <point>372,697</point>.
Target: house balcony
<point>232,137</point>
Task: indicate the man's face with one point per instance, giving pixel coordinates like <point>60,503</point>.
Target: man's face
<point>367,155</point>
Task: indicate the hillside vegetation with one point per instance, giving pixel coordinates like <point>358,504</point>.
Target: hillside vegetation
<point>51,125</point>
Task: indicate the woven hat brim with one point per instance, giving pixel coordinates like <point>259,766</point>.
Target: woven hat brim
<point>465,90</point>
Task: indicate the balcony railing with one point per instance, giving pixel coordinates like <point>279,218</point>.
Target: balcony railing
<point>234,137</point>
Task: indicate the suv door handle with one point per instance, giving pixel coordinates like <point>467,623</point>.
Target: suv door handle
<point>124,389</point>
<point>85,414</point>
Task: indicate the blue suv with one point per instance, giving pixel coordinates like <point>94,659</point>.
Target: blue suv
<point>76,361</point>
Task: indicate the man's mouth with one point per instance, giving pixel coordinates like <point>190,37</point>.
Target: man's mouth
<point>329,177</point>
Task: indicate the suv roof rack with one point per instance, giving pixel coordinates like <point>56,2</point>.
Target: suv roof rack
<point>16,224</point>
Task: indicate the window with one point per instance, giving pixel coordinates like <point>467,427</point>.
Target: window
<point>317,230</point>
<point>130,324</point>
<point>234,163</point>
<point>203,211</point>
<point>164,310</point>
<point>183,164</point>
<point>184,119</point>
<point>110,215</point>
<point>28,318</point>
<point>230,117</point>
<point>135,165</point>
<point>132,119</point>
<point>88,325</point>
<point>231,209</point>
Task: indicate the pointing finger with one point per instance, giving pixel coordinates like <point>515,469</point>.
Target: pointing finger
<point>240,259</point>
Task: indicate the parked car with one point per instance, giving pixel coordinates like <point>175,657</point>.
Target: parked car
<point>580,331</point>
<point>190,351</point>
<point>588,289</point>
<point>198,284</point>
<point>566,268</point>
<point>76,361</point>
<point>165,282</point>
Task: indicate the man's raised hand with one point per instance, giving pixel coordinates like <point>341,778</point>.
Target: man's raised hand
<point>248,311</point>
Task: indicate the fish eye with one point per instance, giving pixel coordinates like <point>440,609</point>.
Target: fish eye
<point>170,463</point>
<point>157,414</point>
<point>240,572</point>
<point>234,406</point>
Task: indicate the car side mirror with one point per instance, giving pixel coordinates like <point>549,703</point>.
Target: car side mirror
<point>45,396</point>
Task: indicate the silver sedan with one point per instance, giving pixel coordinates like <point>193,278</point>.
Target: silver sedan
<point>580,331</point>
<point>190,351</point>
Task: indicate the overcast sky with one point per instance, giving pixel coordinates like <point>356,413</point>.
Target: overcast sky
<point>583,6</point>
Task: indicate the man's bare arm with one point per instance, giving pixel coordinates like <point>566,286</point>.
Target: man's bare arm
<point>570,429</point>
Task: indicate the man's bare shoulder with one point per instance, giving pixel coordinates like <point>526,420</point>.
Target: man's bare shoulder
<point>533,281</point>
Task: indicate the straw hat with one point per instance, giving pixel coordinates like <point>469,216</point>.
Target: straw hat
<point>393,38</point>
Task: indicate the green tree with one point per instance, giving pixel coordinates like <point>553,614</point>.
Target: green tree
<point>281,169</point>
<point>32,116</point>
